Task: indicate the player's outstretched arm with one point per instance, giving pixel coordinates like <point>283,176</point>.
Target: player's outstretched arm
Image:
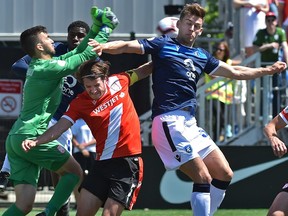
<point>247,73</point>
<point>117,47</point>
<point>51,134</point>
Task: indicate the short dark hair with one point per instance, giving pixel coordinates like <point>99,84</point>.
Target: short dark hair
<point>193,9</point>
<point>79,24</point>
<point>93,69</point>
<point>29,39</point>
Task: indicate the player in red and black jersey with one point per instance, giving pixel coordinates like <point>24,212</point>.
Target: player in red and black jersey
<point>116,176</point>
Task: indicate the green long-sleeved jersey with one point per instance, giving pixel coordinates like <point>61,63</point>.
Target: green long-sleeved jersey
<point>43,88</point>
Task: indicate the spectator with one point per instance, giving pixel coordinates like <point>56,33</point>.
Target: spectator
<point>269,41</point>
<point>222,95</point>
<point>252,18</point>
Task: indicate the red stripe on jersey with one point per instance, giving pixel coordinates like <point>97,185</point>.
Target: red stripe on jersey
<point>112,119</point>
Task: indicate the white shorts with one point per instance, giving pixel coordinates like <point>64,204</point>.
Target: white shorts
<point>65,139</point>
<point>178,139</point>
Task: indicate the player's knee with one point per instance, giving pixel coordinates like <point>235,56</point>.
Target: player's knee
<point>25,207</point>
<point>78,170</point>
<point>226,174</point>
<point>229,175</point>
<point>71,166</point>
<point>205,177</point>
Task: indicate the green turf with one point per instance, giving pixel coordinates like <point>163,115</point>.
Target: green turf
<point>175,212</point>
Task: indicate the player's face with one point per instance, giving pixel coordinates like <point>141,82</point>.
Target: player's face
<point>96,88</point>
<point>46,44</point>
<point>190,27</point>
<point>75,36</point>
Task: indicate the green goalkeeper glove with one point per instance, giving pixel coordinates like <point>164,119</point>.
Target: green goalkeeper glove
<point>96,15</point>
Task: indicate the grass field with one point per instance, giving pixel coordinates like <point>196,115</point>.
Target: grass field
<point>175,212</point>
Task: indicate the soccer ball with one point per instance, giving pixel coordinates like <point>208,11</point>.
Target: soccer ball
<point>168,27</point>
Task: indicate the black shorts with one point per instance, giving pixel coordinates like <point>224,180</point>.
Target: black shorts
<point>119,179</point>
<point>85,162</point>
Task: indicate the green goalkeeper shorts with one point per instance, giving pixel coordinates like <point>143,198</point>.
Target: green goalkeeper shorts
<point>26,166</point>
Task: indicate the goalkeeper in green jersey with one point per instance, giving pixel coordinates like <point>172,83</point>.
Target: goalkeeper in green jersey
<point>41,97</point>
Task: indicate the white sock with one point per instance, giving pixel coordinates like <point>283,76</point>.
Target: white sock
<point>217,195</point>
<point>200,203</point>
<point>6,165</point>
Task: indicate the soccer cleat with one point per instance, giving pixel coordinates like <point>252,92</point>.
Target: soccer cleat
<point>4,180</point>
<point>64,210</point>
<point>109,18</point>
<point>41,214</point>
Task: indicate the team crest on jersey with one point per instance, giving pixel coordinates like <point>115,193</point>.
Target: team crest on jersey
<point>188,148</point>
<point>122,95</point>
<point>286,110</point>
<point>114,84</point>
<point>61,149</point>
<point>196,53</point>
<point>276,37</point>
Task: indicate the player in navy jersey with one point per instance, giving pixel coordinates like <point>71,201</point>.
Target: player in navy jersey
<point>180,143</point>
